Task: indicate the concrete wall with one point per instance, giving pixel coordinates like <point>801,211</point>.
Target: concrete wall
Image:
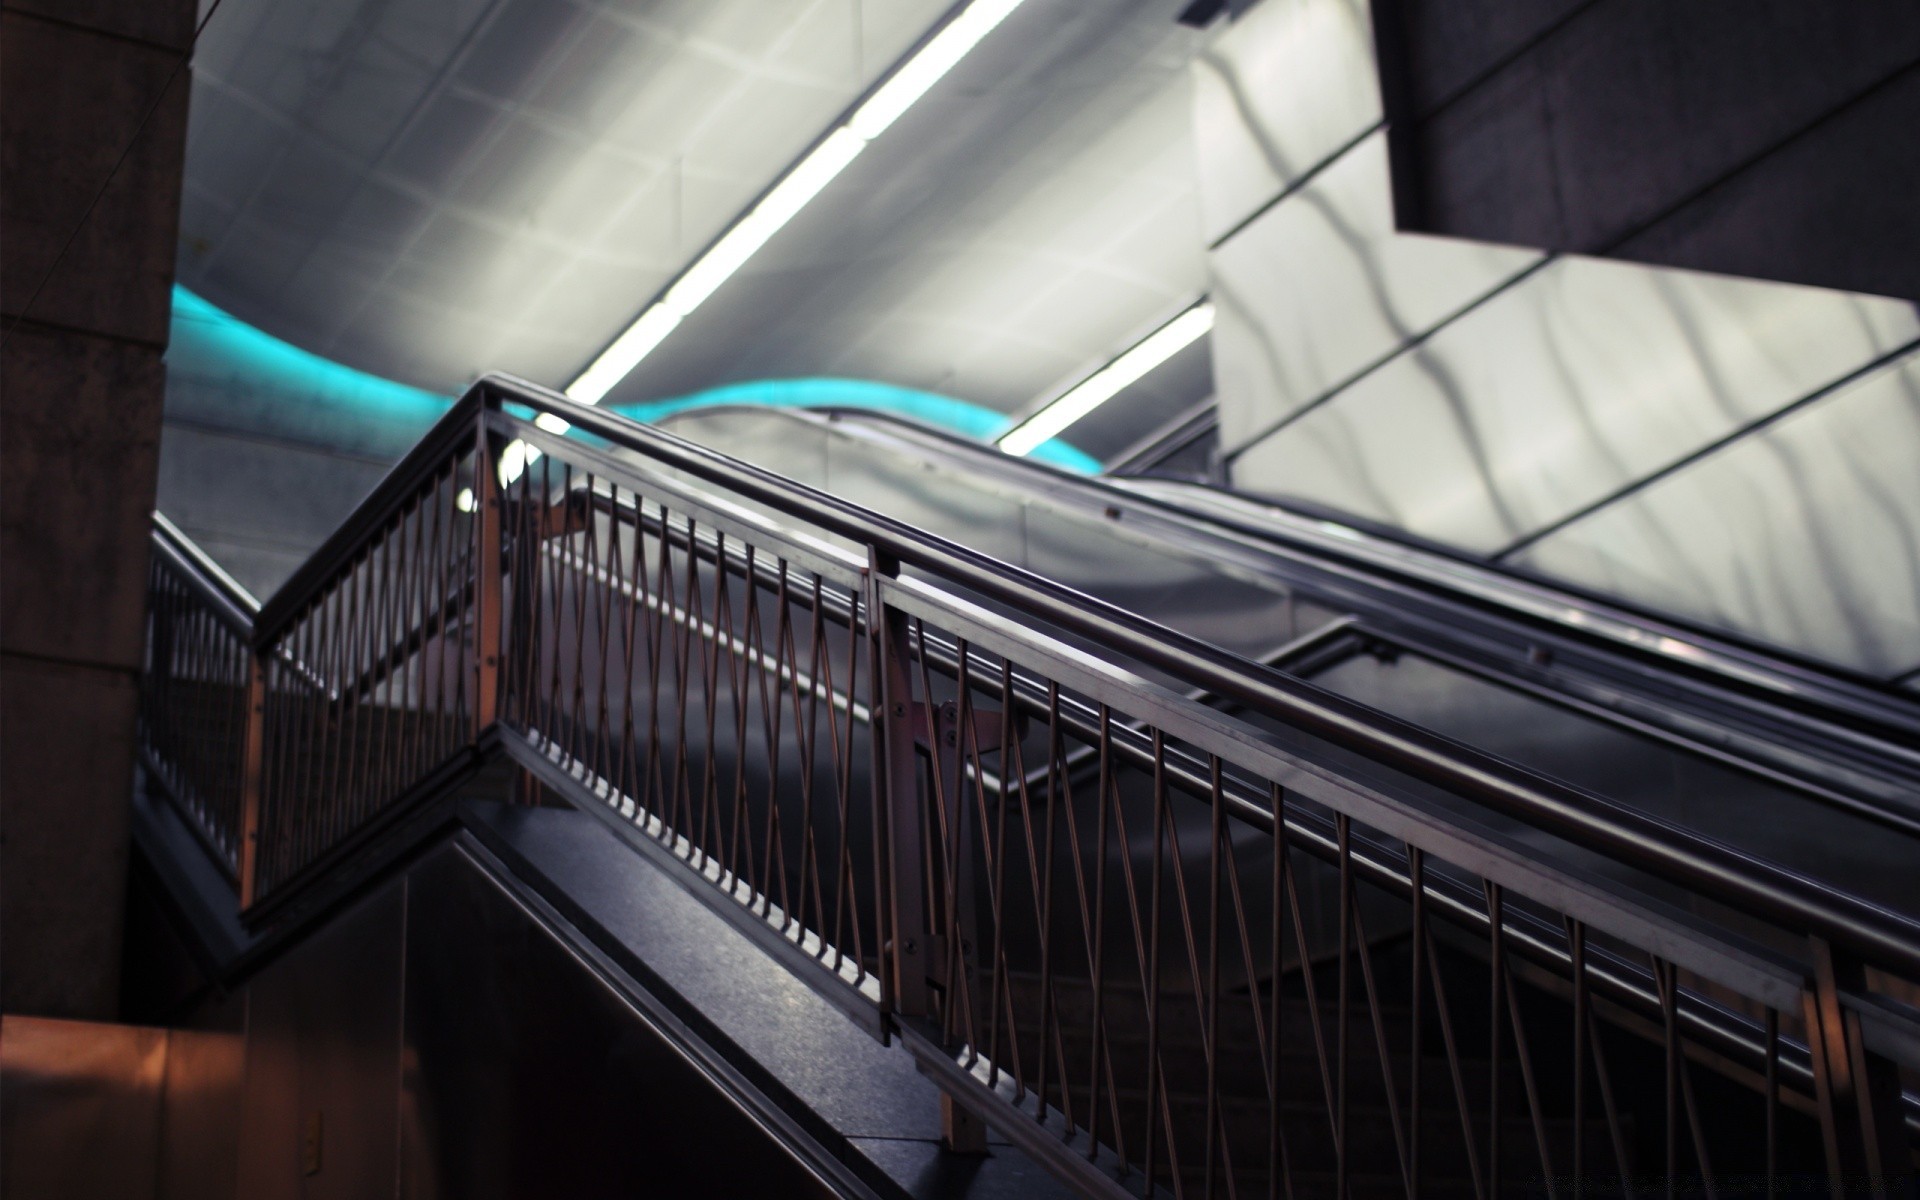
<point>1737,452</point>
<point>266,448</point>
<point>257,504</point>
<point>85,305</point>
<point>1769,138</point>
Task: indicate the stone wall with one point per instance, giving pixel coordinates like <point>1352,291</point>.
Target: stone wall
<point>90,91</point>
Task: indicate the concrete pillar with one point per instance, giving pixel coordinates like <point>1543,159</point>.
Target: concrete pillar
<point>84,318</point>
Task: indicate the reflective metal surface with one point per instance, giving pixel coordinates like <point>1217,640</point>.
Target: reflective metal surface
<point>1571,385</point>
<point>1253,140</point>
<point>323,1037</point>
<point>1130,562</point>
<point>526,1075</point>
<point>199,1155</point>
<point>1726,804</point>
<point>1183,588</point>
<point>1805,534</point>
<point>1124,778</point>
<point>1321,286</point>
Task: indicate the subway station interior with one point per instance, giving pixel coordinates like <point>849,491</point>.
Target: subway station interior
<point>985,599</point>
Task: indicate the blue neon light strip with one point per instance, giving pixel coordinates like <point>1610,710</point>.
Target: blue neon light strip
<point>206,337</point>
<point>213,346</point>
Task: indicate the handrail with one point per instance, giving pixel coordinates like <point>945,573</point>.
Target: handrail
<point>225,597</point>
<point>683,647</point>
<point>454,427</point>
<point>1738,880</point>
<point>1859,753</point>
<point>1167,439</point>
<point>1628,630</point>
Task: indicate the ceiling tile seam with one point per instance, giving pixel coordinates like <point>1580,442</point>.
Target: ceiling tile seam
<point>454,62</point>
<point>469,164</point>
<point>1041,302</point>
<point>717,52</point>
<point>243,207</point>
<point>1154,285</point>
<point>892,92</point>
<point>1102,265</point>
<point>1090,365</point>
<point>620,213</point>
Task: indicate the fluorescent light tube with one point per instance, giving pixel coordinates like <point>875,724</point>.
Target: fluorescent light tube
<point>923,70</point>
<point>768,217</point>
<point>909,81</point>
<point>626,352</point>
<point>1104,384</point>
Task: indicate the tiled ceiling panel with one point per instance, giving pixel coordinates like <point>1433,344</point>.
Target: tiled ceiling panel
<point>1020,226</point>
<point>430,190</point>
<point>405,184</point>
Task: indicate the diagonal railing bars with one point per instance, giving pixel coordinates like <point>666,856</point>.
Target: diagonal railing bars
<point>1297,948</point>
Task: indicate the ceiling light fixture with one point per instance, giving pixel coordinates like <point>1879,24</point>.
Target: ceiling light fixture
<point>1109,381</point>
<point>802,182</point>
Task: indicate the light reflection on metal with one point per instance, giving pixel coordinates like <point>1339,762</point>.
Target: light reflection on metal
<point>619,575</point>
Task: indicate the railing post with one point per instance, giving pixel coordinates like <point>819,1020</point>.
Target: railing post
<point>1858,1092</point>
<point>897,801</point>
<point>489,593</point>
<point>253,777</point>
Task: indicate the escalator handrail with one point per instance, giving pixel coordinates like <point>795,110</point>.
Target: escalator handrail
<point>1725,660</point>
<point>1717,871</point>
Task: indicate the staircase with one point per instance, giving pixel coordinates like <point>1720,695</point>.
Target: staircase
<point>946,795</point>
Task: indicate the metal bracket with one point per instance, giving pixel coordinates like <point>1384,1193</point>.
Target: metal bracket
<point>943,723</point>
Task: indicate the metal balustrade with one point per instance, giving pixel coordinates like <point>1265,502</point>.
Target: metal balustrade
<point>1165,946</point>
<point>193,689</point>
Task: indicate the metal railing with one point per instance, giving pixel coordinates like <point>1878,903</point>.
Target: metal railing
<point>1278,950</point>
<point>193,719</point>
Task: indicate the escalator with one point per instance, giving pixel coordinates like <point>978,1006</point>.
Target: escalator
<point>1780,758</point>
<point>1140,845</point>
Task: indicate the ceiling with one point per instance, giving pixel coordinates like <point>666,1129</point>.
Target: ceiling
<point>432,189</point>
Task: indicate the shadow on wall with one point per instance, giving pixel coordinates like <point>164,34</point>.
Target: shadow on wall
<point>1737,452</point>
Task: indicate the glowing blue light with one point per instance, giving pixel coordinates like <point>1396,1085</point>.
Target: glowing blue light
<point>208,340</point>
<point>218,361</point>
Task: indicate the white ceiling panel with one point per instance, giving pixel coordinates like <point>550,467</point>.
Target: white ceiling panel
<point>432,190</point>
